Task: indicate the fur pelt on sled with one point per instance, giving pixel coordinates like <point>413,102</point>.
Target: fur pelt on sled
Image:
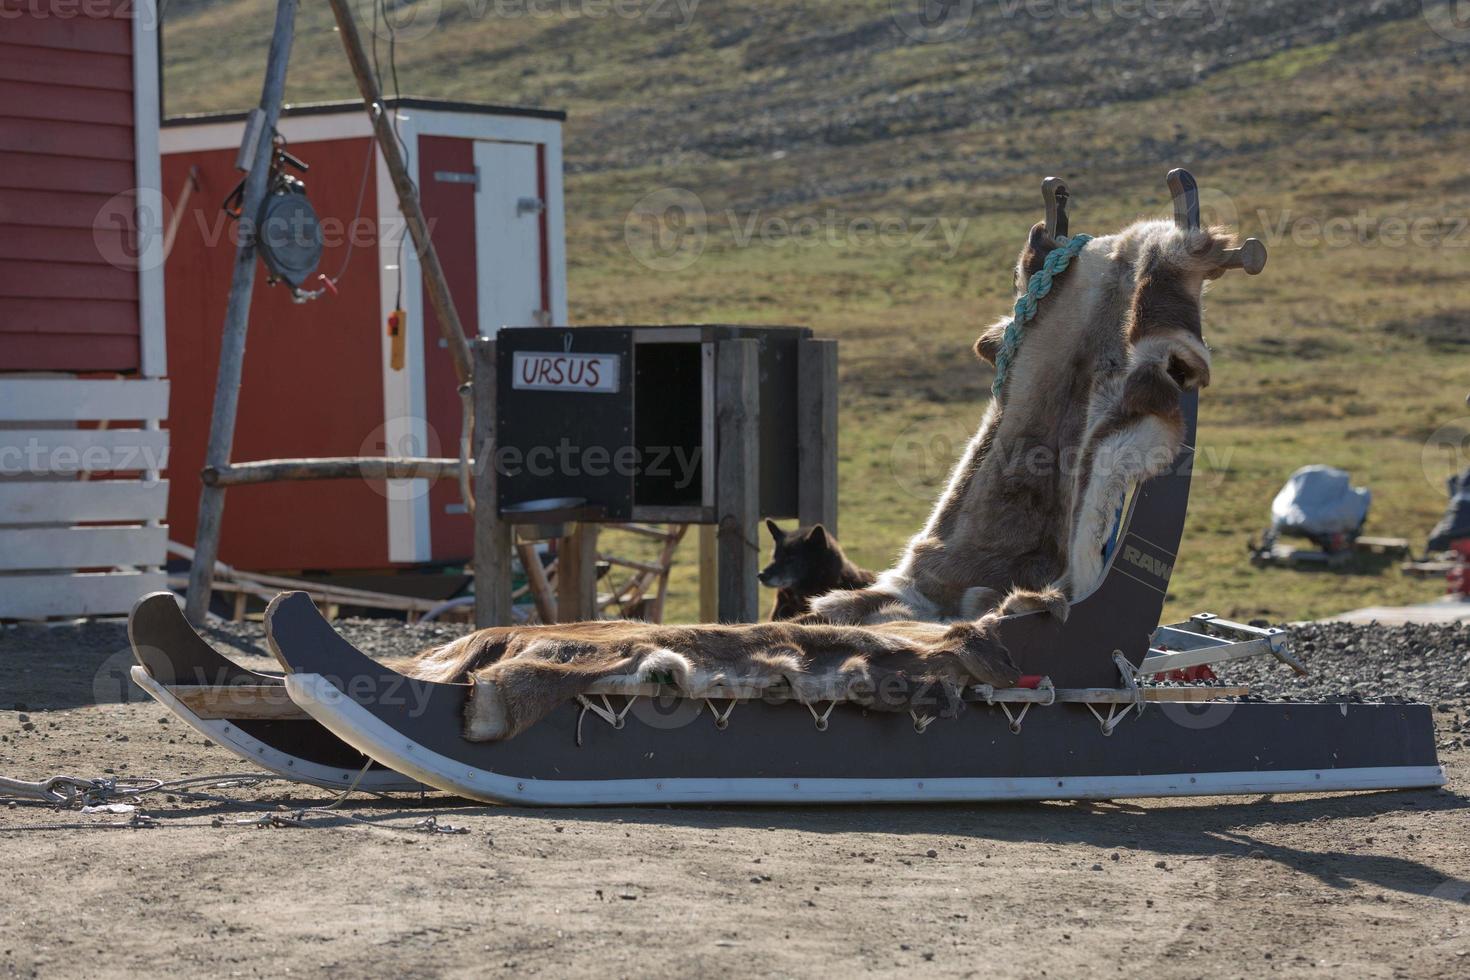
<point>520,674</point>
<point>1089,409</point>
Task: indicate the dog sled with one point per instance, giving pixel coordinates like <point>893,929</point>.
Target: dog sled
<point>1086,720</point>
<point>1087,724</point>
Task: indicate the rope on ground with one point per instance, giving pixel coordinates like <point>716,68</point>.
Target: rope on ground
<point>102,795</point>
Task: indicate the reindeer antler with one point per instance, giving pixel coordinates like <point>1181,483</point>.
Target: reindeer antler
<point>1185,193</point>
<point>1250,256</point>
<point>1054,193</point>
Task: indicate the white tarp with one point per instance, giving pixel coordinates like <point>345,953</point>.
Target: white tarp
<point>1319,502</point>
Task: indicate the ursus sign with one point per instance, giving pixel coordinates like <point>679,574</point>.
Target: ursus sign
<point>537,371</point>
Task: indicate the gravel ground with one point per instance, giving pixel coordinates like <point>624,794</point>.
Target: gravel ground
<point>1367,884</point>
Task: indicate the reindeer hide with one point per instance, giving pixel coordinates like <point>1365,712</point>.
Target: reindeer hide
<point>1090,407</point>
<point>519,674</point>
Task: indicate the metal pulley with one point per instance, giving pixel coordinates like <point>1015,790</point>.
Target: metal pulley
<point>288,235</point>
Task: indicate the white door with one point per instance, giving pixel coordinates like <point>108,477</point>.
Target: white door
<point>508,213</point>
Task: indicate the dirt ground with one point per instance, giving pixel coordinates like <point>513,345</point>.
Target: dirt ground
<point>1372,885</point>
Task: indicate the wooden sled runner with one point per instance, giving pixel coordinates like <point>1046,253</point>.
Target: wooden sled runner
<point>247,712</point>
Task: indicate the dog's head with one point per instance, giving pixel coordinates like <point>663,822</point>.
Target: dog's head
<point>796,555</point>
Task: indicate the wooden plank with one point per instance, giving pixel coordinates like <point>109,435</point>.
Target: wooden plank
<point>816,432</point>
<point>67,400</point>
<point>32,100</point>
<point>264,702</point>
<point>114,247</point>
<point>67,352</point>
<point>81,315</point>
<point>109,72</point>
<point>81,594</point>
<point>70,139</point>
<point>103,35</point>
<point>32,452</point>
<point>42,172</point>
<point>116,501</point>
<point>737,437</point>
<point>68,208</point>
<point>62,281</point>
<point>492,535</point>
<point>37,548</point>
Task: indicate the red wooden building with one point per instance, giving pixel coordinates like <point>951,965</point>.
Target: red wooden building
<point>322,378</point>
<point>82,351</point>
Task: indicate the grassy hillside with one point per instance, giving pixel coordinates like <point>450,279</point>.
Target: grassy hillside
<point>1337,132</point>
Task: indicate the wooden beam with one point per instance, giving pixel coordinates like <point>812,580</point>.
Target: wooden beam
<point>737,436</point>
<point>492,535</point>
<point>237,315</point>
<point>341,468</point>
<point>262,702</point>
<point>816,432</point>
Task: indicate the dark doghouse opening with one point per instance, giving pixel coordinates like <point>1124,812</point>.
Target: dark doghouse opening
<point>668,425</point>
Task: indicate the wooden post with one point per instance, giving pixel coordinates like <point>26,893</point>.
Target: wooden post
<point>816,432</point>
<point>237,317</point>
<point>576,574</point>
<point>737,492</point>
<point>537,581</point>
<point>709,574</point>
<point>408,200</point>
<point>492,535</point>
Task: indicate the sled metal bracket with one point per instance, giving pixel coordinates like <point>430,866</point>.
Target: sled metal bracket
<point>1274,637</point>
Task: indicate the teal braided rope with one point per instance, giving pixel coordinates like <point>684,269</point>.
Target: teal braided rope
<point>1036,289</point>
